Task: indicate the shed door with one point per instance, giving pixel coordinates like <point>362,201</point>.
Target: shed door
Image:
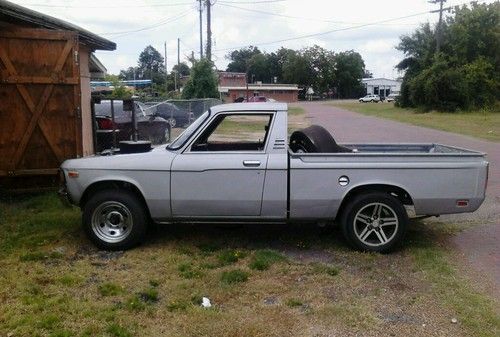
<point>40,122</point>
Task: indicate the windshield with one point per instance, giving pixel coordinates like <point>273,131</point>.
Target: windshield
<point>183,137</point>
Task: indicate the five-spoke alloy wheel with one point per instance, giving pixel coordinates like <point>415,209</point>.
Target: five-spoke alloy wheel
<point>374,222</point>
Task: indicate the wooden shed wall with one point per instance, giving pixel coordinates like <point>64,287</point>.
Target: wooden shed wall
<point>40,100</point>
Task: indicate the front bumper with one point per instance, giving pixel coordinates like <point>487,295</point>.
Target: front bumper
<point>64,196</point>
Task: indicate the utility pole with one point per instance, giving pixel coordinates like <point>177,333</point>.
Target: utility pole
<point>440,22</point>
<point>201,28</point>
<point>166,72</point>
<point>209,31</point>
<point>178,61</point>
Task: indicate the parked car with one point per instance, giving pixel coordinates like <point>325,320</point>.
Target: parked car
<point>176,116</point>
<point>206,175</point>
<point>370,98</point>
<point>254,99</point>
<point>149,126</point>
<point>391,97</point>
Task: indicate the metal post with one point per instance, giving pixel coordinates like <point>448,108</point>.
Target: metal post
<point>94,123</point>
<point>201,29</point>
<point>134,122</point>
<point>166,72</point>
<point>209,31</point>
<point>113,122</point>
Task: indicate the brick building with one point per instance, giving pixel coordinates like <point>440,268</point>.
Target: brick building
<point>233,86</point>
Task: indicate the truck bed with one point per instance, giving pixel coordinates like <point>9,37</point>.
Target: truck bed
<point>435,176</point>
<point>411,149</point>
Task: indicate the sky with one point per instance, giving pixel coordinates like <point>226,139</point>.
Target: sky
<point>372,28</point>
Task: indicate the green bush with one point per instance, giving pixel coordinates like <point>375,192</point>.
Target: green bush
<point>440,87</point>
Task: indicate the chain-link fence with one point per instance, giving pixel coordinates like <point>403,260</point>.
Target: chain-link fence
<point>115,120</point>
<point>180,113</point>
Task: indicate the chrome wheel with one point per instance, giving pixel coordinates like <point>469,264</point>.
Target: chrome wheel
<point>376,224</point>
<point>112,221</point>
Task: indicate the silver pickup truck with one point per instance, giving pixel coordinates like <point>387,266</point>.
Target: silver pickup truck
<point>236,163</point>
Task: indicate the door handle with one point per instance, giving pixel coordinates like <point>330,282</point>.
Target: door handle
<point>251,163</point>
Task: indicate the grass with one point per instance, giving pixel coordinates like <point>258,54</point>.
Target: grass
<point>110,289</point>
<point>117,330</point>
<point>321,268</point>
<point>262,281</point>
<point>263,259</point>
<point>230,256</point>
<point>293,303</point>
<point>481,124</point>
<point>234,276</point>
<point>296,111</point>
<point>474,311</point>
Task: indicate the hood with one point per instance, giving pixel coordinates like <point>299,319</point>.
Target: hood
<point>158,159</point>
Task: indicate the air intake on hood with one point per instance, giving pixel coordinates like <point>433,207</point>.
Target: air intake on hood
<point>128,146</point>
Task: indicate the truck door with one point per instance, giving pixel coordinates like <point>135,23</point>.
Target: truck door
<point>222,173</point>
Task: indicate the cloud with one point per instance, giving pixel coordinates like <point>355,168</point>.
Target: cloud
<point>234,27</point>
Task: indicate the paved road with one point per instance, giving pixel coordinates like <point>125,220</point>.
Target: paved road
<point>479,245</point>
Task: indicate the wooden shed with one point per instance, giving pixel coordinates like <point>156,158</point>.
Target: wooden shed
<point>45,115</point>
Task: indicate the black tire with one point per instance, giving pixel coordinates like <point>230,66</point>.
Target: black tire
<point>134,231</point>
<point>353,227</point>
<point>315,139</point>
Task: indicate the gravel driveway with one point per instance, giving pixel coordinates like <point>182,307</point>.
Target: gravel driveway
<point>479,245</point>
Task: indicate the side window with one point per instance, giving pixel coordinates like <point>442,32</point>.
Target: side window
<point>235,132</point>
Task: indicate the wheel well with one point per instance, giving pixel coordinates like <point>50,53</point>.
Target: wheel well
<point>111,185</point>
<point>395,191</point>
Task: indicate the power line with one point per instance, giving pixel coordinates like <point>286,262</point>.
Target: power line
<point>250,2</point>
<point>158,24</point>
<point>325,33</point>
<point>118,6</point>
<point>225,4</point>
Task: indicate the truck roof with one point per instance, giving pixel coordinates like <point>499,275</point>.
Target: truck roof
<point>267,106</point>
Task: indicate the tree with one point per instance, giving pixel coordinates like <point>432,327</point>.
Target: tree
<point>349,71</point>
<point>202,82</point>
<point>297,69</point>
<point>151,65</point>
<point>368,74</point>
<point>275,63</point>
<point>119,90</point>
<point>322,63</point>
<point>182,69</point>
<point>128,74</point>
<point>258,68</point>
<point>466,72</point>
<point>239,59</point>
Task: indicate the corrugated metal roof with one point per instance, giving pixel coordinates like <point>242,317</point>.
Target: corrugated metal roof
<point>11,12</point>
